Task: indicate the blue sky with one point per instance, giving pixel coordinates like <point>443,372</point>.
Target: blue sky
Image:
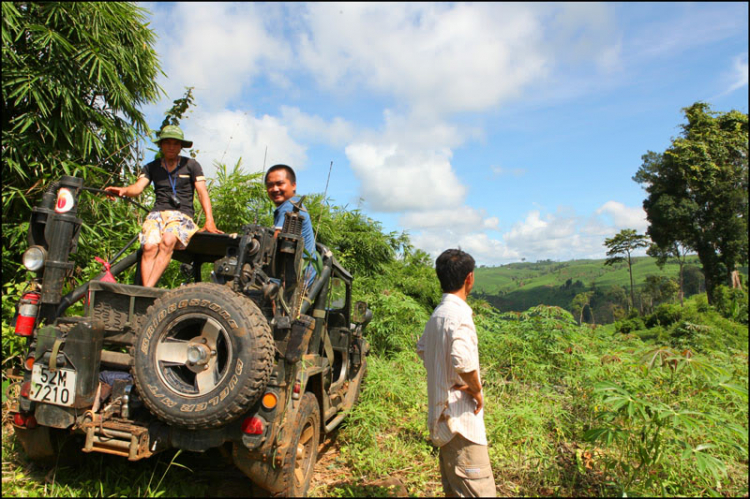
<point>511,130</point>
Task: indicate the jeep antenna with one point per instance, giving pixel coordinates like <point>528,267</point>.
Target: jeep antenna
<point>317,225</point>
<point>257,206</point>
<point>231,136</point>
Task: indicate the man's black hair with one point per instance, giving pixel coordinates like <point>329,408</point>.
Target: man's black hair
<point>452,267</point>
<point>289,173</point>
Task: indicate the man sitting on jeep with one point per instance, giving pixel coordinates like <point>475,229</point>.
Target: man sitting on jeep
<point>281,185</point>
<point>170,224</point>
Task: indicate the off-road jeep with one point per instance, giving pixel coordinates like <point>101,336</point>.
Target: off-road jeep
<point>256,361</point>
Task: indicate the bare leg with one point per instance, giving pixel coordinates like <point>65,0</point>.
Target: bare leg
<point>147,260</point>
<point>166,247</point>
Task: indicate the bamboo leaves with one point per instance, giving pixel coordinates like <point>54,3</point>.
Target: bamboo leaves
<point>74,78</point>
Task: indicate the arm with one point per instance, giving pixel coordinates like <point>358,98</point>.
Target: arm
<point>473,387</point>
<point>465,362</point>
<point>205,200</point>
<point>131,191</point>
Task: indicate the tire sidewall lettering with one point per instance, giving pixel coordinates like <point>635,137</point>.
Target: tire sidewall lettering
<point>155,391</point>
<point>221,404</point>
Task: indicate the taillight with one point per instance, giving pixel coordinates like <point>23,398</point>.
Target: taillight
<point>296,390</point>
<point>24,420</point>
<point>27,313</point>
<point>25,389</point>
<point>29,363</point>
<point>252,426</point>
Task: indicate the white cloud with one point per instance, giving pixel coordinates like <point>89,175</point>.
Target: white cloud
<point>739,72</point>
<point>226,136</point>
<point>419,130</point>
<point>219,48</point>
<point>554,237</point>
<point>463,219</point>
<point>624,217</point>
<point>394,179</point>
<point>335,132</point>
<point>407,164</point>
<point>566,235</point>
<point>561,236</point>
<point>438,56</point>
<point>538,230</point>
<point>445,58</point>
<point>484,250</point>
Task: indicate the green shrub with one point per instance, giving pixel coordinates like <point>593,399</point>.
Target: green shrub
<point>664,315</point>
<point>701,303</point>
<point>629,325</point>
<point>398,322</point>
<point>731,303</point>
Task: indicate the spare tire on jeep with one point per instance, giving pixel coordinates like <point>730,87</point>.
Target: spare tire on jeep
<point>203,356</point>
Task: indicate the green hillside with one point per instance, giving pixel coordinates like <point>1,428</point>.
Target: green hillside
<point>517,276</point>
<point>518,286</point>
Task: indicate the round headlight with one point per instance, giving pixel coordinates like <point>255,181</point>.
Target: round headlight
<point>33,258</point>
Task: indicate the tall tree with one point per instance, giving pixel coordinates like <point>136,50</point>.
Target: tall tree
<point>624,243</point>
<point>74,78</point>
<point>698,191</point>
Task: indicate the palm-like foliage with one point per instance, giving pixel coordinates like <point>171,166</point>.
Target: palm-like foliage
<point>74,77</point>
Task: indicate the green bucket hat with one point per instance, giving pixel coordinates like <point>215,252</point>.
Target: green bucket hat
<point>173,132</point>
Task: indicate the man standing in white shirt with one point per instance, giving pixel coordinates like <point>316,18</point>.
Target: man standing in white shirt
<point>448,348</point>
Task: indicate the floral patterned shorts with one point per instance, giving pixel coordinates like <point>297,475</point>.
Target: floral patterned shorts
<point>161,222</point>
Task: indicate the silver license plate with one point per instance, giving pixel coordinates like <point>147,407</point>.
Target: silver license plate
<point>53,387</point>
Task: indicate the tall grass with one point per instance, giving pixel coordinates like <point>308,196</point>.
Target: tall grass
<point>570,411</point>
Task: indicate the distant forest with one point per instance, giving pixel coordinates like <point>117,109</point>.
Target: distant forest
<point>518,286</point>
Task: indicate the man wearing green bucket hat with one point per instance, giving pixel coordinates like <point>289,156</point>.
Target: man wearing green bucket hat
<point>170,224</point>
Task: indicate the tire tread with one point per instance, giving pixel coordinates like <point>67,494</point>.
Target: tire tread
<point>263,355</point>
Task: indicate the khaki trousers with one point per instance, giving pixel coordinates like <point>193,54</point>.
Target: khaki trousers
<point>465,469</point>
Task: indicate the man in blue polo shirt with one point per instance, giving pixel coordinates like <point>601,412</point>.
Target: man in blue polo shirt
<point>281,185</point>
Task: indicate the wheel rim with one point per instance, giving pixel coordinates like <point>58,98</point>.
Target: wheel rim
<point>193,355</point>
<point>303,461</point>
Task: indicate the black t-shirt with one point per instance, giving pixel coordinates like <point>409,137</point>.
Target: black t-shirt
<point>184,177</point>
